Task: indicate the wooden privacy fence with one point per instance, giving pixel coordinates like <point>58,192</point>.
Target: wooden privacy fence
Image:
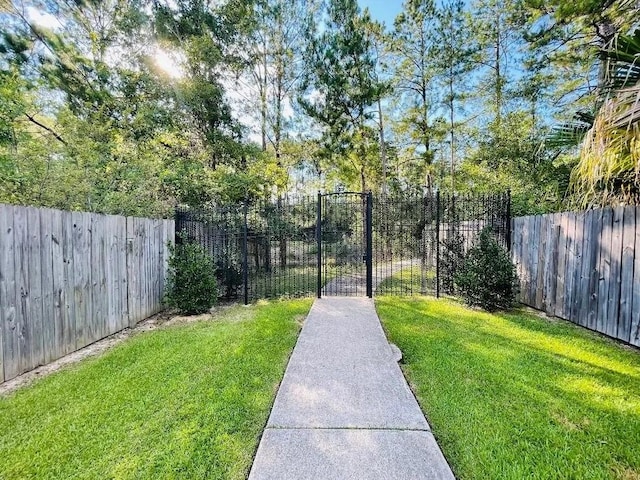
<point>583,267</point>
<point>68,279</point>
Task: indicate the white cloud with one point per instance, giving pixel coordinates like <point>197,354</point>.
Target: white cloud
<point>42,18</point>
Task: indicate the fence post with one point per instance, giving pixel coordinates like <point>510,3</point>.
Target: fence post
<point>509,220</point>
<point>178,214</point>
<point>438,244</point>
<point>369,246</point>
<point>319,243</point>
<point>245,256</point>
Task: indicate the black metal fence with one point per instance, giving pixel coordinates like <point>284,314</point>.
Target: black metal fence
<point>343,243</point>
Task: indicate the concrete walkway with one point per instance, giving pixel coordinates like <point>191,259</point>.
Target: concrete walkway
<point>355,284</point>
<point>344,409</point>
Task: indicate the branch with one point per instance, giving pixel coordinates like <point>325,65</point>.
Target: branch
<point>55,135</point>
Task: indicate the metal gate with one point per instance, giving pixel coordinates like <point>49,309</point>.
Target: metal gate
<point>344,238</point>
<point>346,243</point>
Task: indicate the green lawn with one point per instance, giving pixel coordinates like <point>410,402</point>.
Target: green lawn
<point>408,281</point>
<point>290,282</point>
<point>184,401</point>
<point>515,396</point>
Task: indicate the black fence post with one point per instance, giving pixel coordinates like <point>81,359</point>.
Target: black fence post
<point>438,244</point>
<point>177,239</point>
<point>245,256</point>
<point>319,243</point>
<point>508,220</point>
<point>369,246</point>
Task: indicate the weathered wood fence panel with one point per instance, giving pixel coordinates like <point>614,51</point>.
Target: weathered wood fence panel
<point>583,267</point>
<point>68,279</point>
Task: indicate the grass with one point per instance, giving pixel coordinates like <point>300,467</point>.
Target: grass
<point>185,401</point>
<point>408,281</point>
<point>290,282</point>
<point>515,396</point>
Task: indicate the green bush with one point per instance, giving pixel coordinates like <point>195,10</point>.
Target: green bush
<point>192,287</point>
<point>488,277</point>
<point>452,258</point>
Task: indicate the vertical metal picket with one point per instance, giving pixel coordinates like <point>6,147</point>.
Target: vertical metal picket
<point>245,256</point>
<point>369,246</point>
<point>508,221</point>
<point>319,243</point>
<point>438,244</point>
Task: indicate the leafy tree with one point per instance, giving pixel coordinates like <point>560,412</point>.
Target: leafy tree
<point>414,80</point>
<point>604,123</point>
<point>609,168</point>
<point>341,85</point>
<point>453,55</point>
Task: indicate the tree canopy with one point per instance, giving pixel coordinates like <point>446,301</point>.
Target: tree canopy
<point>135,106</point>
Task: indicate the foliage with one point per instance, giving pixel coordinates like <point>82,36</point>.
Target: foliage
<point>606,123</point>
<point>341,70</point>
<point>451,261</point>
<point>609,169</point>
<point>487,277</point>
<point>190,401</point>
<point>229,276</point>
<point>133,107</point>
<point>508,157</point>
<point>192,286</point>
<point>556,397</point>
<point>415,85</point>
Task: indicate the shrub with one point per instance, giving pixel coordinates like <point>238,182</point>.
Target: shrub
<point>192,287</point>
<point>488,277</point>
<point>452,258</point>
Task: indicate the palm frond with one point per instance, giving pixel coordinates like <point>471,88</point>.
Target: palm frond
<point>568,134</point>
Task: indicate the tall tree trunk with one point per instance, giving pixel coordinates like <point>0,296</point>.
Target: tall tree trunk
<point>498,80</point>
<point>383,148</point>
<point>263,101</point>
<point>453,166</point>
<point>277,139</point>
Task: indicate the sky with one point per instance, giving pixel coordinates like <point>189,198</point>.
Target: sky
<point>383,10</point>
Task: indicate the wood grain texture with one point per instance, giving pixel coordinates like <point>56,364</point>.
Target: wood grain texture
<point>569,265</point>
<point>582,306</point>
<point>594,273</point>
<point>583,267</point>
<point>69,306</point>
<point>68,279</point>
<point>48,304</point>
<point>99,297</point>
<point>604,270</point>
<point>627,274</point>
<point>615,256</point>
<point>635,311</point>
<point>57,283</point>
<point>534,243</point>
<point>578,234</point>
<point>21,265</point>
<point>82,277</point>
<point>34,307</point>
<point>561,264</point>
<point>9,353</point>
<point>542,255</point>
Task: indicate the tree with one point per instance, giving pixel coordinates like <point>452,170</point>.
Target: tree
<point>340,85</point>
<point>499,25</point>
<point>597,38</point>
<point>453,52</point>
<point>608,172</point>
<point>414,81</point>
